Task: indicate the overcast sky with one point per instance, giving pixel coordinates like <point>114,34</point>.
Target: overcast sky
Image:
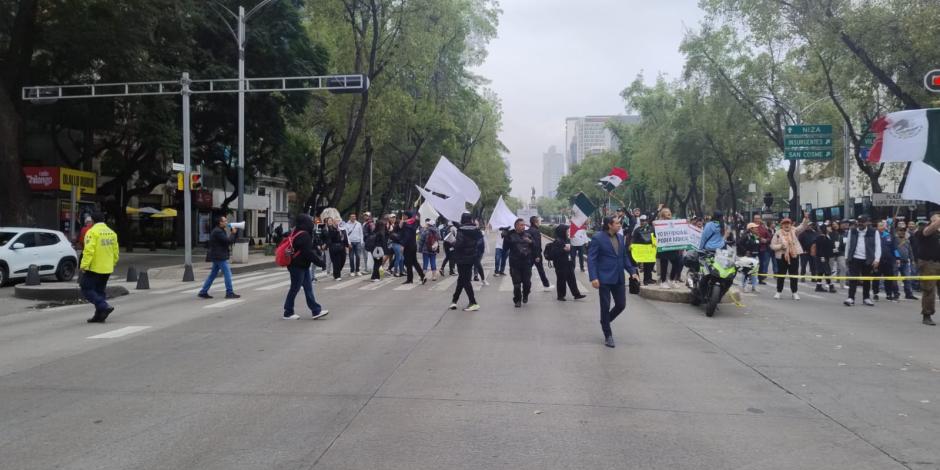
<point>559,58</point>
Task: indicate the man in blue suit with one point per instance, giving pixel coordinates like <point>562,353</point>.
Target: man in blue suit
<point>608,258</point>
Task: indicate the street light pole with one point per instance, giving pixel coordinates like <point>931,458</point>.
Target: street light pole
<point>241,114</point>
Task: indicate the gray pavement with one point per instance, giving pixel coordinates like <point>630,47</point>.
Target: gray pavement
<point>392,380</point>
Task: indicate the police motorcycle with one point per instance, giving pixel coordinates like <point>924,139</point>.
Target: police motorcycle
<point>711,275</point>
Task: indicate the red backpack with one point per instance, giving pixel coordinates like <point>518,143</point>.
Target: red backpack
<point>285,253</point>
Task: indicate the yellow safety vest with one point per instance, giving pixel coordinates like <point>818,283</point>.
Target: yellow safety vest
<point>644,253</point>
<point>101,250</point>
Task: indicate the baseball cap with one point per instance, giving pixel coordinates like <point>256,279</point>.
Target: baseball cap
<point>752,225</point>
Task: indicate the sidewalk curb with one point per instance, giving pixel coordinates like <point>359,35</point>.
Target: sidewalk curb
<point>60,293</point>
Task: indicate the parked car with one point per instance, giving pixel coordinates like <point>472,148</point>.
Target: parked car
<point>21,247</point>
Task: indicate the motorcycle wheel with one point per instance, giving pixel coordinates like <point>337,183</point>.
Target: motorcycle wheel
<point>713,299</point>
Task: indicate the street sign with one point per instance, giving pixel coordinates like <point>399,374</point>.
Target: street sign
<point>891,200</point>
<point>808,142</point>
<point>807,154</point>
<point>810,129</point>
<point>932,81</point>
<point>869,140</point>
<point>178,166</point>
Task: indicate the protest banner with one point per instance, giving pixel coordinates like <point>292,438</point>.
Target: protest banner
<point>672,235</point>
<point>695,236</point>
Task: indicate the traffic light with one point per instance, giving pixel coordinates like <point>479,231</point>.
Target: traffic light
<point>932,81</point>
<point>195,181</point>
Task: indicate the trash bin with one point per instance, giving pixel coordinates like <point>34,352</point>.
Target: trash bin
<point>240,251</point>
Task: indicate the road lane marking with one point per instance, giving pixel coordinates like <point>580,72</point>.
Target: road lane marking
<point>444,284</point>
<point>344,284</point>
<point>378,285</point>
<point>240,285</point>
<point>127,330</point>
<point>275,286</point>
<point>224,303</point>
<point>407,286</point>
<point>188,286</point>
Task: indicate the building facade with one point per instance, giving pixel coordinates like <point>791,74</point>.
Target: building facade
<point>553,168</point>
<point>590,135</point>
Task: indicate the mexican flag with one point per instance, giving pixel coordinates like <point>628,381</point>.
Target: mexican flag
<point>611,181</point>
<point>911,136</point>
<point>581,209</point>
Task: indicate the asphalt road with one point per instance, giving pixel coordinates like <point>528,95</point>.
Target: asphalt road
<point>392,380</point>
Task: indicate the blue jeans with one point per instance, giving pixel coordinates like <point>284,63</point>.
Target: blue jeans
<point>500,262</point>
<point>905,270</point>
<point>399,258</point>
<point>764,258</point>
<point>355,257</point>
<point>226,273</point>
<point>619,293</point>
<point>300,278</point>
<point>93,289</point>
<point>429,258</point>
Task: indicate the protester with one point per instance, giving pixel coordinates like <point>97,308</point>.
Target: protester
<point>479,275</point>
<point>765,254</point>
<point>377,245</point>
<point>643,241</point>
<point>99,257</point>
<point>666,259</point>
<point>449,241</point>
<point>368,226</point>
<point>579,245</point>
<point>787,250</point>
<point>304,252</point>
<point>500,261</point>
<point>864,256</point>
<point>409,242</point>
<point>823,252</point>
<point>429,241</point>
<point>519,248</point>
<point>536,235</point>
<point>928,264</point>
<point>397,265</point>
<point>807,239</point>
<point>220,243</point>
<point>905,260</point>
<point>465,255</point>
<point>748,244</point>
<point>354,231</point>
<point>608,258</point>
<point>337,243</point>
<point>887,267</point>
<point>558,252</point>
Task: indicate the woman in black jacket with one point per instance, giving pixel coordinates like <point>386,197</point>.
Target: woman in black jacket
<point>379,240</point>
<point>305,253</point>
<point>338,244</point>
<point>465,256</point>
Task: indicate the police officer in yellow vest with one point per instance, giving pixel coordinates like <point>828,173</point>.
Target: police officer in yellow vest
<point>98,261</point>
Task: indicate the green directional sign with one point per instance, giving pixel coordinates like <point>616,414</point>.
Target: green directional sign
<point>810,129</point>
<point>808,154</point>
<point>869,140</point>
<point>808,142</point>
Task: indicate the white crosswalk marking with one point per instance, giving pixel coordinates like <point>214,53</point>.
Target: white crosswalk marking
<point>407,286</point>
<point>119,332</point>
<point>344,284</point>
<point>444,284</point>
<point>274,286</point>
<point>224,303</point>
<point>378,285</point>
<point>189,286</point>
<point>239,283</point>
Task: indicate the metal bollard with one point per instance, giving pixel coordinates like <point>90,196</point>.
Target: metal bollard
<point>32,276</point>
<point>132,274</point>
<point>143,281</point>
<point>188,274</point>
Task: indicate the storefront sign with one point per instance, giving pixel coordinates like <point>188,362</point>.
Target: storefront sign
<point>85,180</point>
<point>42,178</point>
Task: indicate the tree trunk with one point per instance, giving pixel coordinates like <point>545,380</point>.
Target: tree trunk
<point>795,200</point>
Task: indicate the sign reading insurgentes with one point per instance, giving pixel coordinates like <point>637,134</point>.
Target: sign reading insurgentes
<point>672,235</point>
<point>808,142</point>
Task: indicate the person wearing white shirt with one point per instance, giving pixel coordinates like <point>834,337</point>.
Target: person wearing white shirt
<point>354,233</point>
<point>578,243</point>
<point>862,256</point>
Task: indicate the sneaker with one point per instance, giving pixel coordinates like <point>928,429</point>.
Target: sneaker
<point>476,278</point>
<point>548,288</point>
<point>579,297</point>
<point>928,321</point>
<point>100,315</point>
<point>452,307</point>
<point>676,284</point>
<point>609,342</point>
<point>796,296</point>
<point>232,295</point>
<point>911,297</point>
<point>561,299</point>
<point>525,299</point>
<point>665,285</point>
<point>777,296</point>
<point>424,280</point>
<point>876,297</point>
<point>485,282</point>
<point>820,288</point>
<point>849,302</point>
<point>337,279</point>
<point>517,304</point>
<point>323,313</point>
<point>292,316</point>
<point>407,282</point>
<point>868,302</point>
<point>204,295</point>
<point>472,308</point>
<point>832,289</point>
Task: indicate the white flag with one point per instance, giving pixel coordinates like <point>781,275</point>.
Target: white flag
<point>448,180</point>
<point>427,212</point>
<point>451,208</point>
<point>502,216</point>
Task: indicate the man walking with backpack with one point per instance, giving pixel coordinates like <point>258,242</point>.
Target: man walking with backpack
<point>430,246</point>
<point>298,252</point>
<point>519,248</point>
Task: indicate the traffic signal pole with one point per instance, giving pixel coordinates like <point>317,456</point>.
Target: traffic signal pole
<point>186,87</point>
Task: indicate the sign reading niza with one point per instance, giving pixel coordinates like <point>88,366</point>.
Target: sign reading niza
<point>86,181</point>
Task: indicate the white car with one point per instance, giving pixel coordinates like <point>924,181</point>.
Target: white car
<point>21,247</point>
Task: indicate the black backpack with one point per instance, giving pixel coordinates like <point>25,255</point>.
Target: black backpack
<point>551,251</point>
<point>370,243</point>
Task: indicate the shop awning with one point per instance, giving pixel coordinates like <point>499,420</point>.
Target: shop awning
<point>142,210</point>
<point>165,213</point>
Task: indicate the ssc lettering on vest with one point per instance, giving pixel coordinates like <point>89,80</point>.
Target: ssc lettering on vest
<point>108,241</point>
